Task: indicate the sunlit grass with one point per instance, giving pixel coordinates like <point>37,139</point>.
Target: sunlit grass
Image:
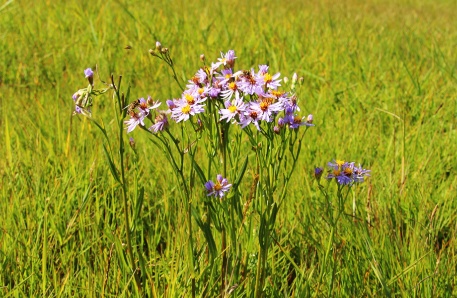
<point>380,79</point>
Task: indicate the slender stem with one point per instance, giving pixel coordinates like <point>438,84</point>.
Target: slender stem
<point>124,186</point>
<point>224,133</point>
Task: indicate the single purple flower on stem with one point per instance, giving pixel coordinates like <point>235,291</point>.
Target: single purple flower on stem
<point>89,75</point>
<point>218,188</point>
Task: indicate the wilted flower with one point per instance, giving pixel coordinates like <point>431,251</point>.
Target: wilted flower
<point>218,188</point>
<point>318,173</point>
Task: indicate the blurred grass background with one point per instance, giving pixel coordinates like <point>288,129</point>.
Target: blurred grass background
<point>379,76</point>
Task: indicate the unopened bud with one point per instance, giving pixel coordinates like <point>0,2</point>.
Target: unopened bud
<point>132,143</point>
<point>300,80</point>
<point>276,130</point>
<point>286,80</point>
<point>158,45</point>
<point>150,101</point>
<point>281,122</point>
<point>164,50</point>
<point>310,119</point>
<point>89,75</point>
<point>202,57</point>
<point>318,173</point>
<point>294,78</point>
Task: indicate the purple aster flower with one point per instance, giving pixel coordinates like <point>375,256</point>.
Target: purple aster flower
<point>214,92</point>
<point>270,81</point>
<point>297,122</point>
<point>346,173</point>
<point>250,83</point>
<point>161,123</point>
<point>135,119</point>
<point>232,109</point>
<point>266,108</point>
<point>263,69</point>
<point>218,188</point>
<point>250,116</point>
<point>184,110</point>
<point>224,77</point>
<point>232,88</point>
<point>228,60</point>
<point>359,173</point>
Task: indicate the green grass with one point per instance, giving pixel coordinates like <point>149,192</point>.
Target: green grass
<point>380,78</point>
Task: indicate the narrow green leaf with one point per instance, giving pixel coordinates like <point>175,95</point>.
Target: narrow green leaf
<point>112,167</point>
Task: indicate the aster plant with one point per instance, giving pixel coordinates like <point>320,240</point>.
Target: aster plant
<point>219,111</point>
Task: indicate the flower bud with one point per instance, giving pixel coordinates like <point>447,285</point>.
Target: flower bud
<point>277,130</point>
<point>286,80</point>
<point>318,173</point>
<point>164,50</point>
<point>132,143</point>
<point>281,122</point>
<point>89,75</point>
<point>310,119</point>
<point>150,101</point>
<point>202,57</point>
<point>294,78</point>
<point>158,46</point>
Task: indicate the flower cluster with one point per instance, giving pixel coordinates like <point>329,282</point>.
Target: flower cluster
<point>346,173</point>
<point>218,188</point>
<point>242,97</point>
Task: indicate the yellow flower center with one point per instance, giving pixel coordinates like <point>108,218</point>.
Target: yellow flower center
<point>267,77</point>
<point>185,109</point>
<point>232,109</point>
<point>217,186</point>
<point>297,119</point>
<point>339,163</point>
<point>336,172</point>
<point>232,86</point>
<point>348,171</point>
<point>190,99</point>
<point>264,105</point>
<point>200,91</point>
<point>227,76</point>
<point>277,93</point>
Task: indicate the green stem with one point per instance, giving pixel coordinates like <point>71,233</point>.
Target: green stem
<point>124,186</point>
<point>224,133</point>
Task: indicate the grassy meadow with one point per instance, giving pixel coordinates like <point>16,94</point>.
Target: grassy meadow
<point>380,78</point>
